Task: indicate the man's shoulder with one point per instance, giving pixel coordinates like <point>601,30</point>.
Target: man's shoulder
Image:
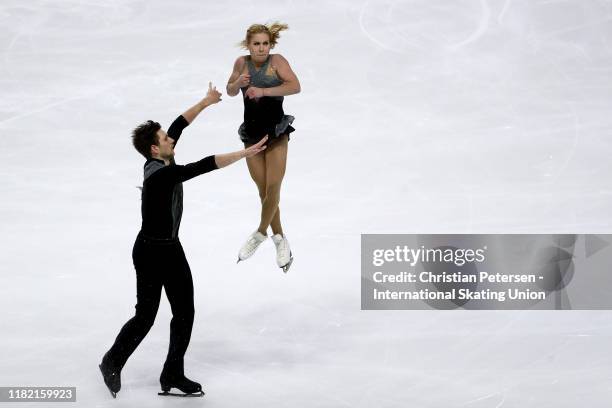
<point>152,166</point>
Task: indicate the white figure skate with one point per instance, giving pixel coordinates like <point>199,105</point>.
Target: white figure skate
<point>251,245</point>
<point>284,257</point>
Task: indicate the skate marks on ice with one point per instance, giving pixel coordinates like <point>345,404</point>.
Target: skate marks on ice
<point>530,97</point>
<point>290,344</point>
<point>263,385</point>
<point>355,354</point>
<point>45,51</point>
<point>398,26</point>
<point>401,25</point>
<point>487,400</point>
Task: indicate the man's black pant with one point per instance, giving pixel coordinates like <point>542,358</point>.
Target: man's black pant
<point>158,263</point>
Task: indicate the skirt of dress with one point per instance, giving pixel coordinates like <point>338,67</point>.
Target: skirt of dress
<point>252,132</point>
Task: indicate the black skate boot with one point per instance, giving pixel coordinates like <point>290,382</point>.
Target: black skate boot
<point>176,379</point>
<point>184,384</point>
<point>111,375</point>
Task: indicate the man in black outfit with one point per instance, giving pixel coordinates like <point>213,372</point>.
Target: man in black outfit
<point>158,256</point>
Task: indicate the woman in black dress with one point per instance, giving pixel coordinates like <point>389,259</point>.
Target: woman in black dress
<point>264,79</point>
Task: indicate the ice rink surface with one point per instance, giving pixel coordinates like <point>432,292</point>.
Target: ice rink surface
<point>467,116</point>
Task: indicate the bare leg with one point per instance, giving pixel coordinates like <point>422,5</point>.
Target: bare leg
<point>257,170</point>
<point>275,165</point>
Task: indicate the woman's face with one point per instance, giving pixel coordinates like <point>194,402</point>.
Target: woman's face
<point>259,47</point>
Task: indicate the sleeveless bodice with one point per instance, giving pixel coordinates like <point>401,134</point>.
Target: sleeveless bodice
<point>259,78</point>
<point>263,115</point>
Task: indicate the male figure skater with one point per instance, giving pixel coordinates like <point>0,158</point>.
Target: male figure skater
<point>158,256</point>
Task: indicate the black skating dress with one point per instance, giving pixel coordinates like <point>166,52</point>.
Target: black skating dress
<point>265,115</point>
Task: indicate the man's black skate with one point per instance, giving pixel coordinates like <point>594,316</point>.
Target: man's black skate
<point>112,376</point>
<point>184,384</point>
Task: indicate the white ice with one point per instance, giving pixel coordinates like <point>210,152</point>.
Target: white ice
<point>415,116</point>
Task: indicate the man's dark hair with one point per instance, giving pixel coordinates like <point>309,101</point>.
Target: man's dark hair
<point>145,136</point>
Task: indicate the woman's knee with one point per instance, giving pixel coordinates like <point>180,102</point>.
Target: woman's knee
<point>262,192</point>
<point>273,189</point>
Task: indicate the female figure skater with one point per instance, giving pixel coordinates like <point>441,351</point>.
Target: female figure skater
<point>264,80</point>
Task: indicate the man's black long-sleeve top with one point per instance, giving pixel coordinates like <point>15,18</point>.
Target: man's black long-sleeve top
<point>162,190</point>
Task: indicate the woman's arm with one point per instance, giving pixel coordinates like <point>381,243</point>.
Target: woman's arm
<point>290,85</point>
<point>237,80</point>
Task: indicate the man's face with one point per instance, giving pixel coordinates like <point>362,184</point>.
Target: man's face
<point>165,146</point>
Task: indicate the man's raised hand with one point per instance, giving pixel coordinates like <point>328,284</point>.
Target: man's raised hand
<point>256,148</point>
<point>212,96</point>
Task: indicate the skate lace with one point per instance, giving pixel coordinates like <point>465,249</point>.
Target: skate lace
<point>282,245</point>
<point>253,242</point>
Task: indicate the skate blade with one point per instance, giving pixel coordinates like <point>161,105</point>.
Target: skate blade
<point>114,394</point>
<point>286,267</point>
<point>176,394</point>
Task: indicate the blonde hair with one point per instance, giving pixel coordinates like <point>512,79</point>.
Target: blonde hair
<point>273,30</point>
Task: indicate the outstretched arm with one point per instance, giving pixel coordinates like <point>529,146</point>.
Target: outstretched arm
<point>290,85</point>
<point>226,159</point>
<point>176,128</point>
<point>212,96</point>
<point>179,173</point>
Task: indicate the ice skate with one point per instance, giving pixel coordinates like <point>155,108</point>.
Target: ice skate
<point>185,385</point>
<point>284,257</point>
<point>251,245</point>
<point>111,376</point>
